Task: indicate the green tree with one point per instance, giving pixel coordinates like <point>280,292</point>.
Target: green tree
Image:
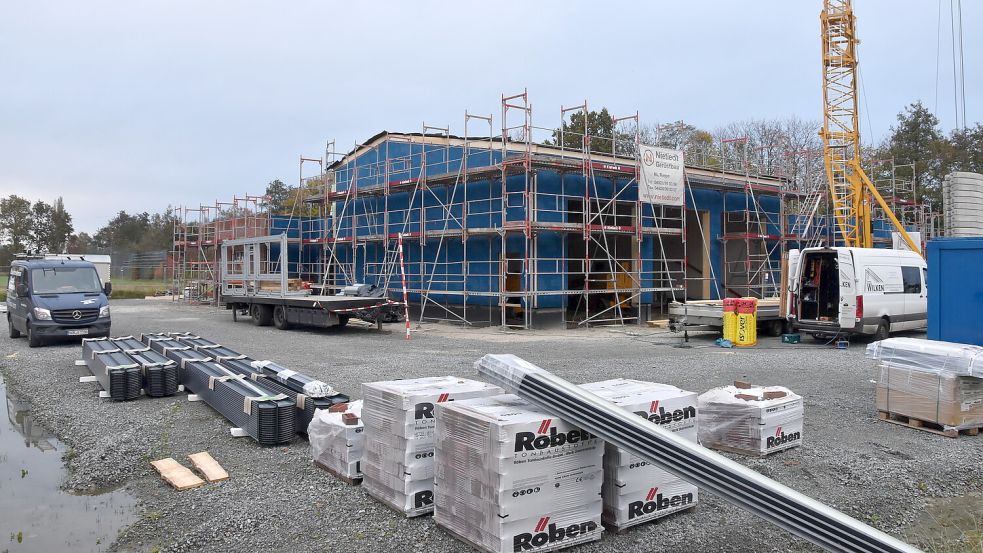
<point>276,196</point>
<point>597,128</point>
<point>80,243</point>
<point>41,227</point>
<point>964,151</point>
<point>61,226</point>
<point>917,139</point>
<point>15,222</point>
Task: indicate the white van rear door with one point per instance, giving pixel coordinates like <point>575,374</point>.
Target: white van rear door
<point>848,289</point>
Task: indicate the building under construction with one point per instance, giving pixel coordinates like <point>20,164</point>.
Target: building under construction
<point>510,226</point>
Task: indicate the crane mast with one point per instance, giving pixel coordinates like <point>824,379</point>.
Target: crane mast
<point>851,191</point>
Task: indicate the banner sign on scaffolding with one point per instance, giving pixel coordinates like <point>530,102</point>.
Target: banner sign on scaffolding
<point>661,179</point>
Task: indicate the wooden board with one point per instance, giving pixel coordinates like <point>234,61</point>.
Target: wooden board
<point>927,426</point>
<point>660,323</point>
<point>208,466</point>
<point>176,474</point>
<point>338,475</point>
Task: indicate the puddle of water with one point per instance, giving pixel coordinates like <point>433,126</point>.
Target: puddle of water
<point>35,514</point>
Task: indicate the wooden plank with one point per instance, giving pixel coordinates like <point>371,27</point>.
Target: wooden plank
<point>660,323</point>
<point>176,474</point>
<point>208,466</point>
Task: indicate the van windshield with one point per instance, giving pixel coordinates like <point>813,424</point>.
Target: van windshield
<point>65,280</point>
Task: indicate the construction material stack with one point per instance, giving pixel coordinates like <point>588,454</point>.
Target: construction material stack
<point>263,414</point>
<point>160,374</point>
<point>634,490</point>
<point>510,477</point>
<point>338,440</point>
<point>180,353</point>
<point>752,420</point>
<point>117,373</point>
<point>940,383</point>
<point>962,202</point>
<point>398,415</point>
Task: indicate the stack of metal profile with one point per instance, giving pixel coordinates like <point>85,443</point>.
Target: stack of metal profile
<point>214,350</point>
<point>511,477</point>
<point>397,465</point>
<point>160,374</point>
<point>180,353</point>
<point>113,368</point>
<point>265,415</point>
<point>307,393</point>
<point>634,490</point>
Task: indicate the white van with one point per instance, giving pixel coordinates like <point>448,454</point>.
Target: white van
<point>868,291</point>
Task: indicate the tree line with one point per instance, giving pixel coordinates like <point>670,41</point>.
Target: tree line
<point>38,227</point>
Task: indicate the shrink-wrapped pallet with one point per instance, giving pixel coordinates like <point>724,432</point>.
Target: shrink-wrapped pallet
<point>754,420</point>
<point>509,477</point>
<point>337,438</point>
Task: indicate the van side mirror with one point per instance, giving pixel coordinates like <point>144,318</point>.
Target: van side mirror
<point>107,288</point>
<point>22,290</point>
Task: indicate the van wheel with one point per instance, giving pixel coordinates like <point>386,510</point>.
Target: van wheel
<point>883,330</point>
<point>12,332</point>
<point>33,340</point>
<point>280,318</point>
<point>262,314</point>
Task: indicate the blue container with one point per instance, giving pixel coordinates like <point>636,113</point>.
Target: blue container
<point>955,290</point>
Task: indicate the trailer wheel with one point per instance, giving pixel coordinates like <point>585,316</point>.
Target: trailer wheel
<point>343,320</point>
<point>262,314</point>
<point>280,318</point>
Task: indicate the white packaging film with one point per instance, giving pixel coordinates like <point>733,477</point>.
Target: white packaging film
<point>336,445</point>
<point>749,420</point>
<point>635,491</point>
<point>397,465</point>
<point>509,477</point>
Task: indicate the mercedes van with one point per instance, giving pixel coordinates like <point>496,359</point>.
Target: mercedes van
<point>857,291</point>
<point>49,298</point>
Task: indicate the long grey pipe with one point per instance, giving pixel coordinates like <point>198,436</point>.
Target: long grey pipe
<point>774,502</point>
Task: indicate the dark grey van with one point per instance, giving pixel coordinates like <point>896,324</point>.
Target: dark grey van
<point>49,298</point>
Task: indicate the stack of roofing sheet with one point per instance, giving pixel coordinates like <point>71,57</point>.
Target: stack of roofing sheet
<point>180,353</point>
<point>634,490</point>
<point>397,466</point>
<point>262,413</point>
<point>160,374</point>
<point>116,372</point>
<point>214,350</point>
<point>511,477</point>
<point>338,439</point>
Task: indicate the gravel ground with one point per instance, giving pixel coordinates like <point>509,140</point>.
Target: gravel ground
<point>879,473</point>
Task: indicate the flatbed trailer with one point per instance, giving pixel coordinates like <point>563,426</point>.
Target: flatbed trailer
<point>709,315</point>
<point>256,282</point>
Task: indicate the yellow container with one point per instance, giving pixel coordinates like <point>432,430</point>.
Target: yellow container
<point>747,322</point>
<point>730,319</point>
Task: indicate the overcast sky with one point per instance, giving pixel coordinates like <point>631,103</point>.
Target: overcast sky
<point>136,105</point>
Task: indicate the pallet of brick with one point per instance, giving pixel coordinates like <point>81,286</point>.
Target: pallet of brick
<point>930,385</point>
<point>750,420</point>
<point>337,438</point>
<point>509,477</point>
<point>634,490</point>
<point>397,464</point>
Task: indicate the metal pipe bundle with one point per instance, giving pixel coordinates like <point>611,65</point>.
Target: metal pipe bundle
<point>115,370</point>
<point>308,397</point>
<point>267,416</point>
<point>778,504</point>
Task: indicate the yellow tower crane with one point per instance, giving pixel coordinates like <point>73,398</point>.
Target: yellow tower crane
<point>851,190</point>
